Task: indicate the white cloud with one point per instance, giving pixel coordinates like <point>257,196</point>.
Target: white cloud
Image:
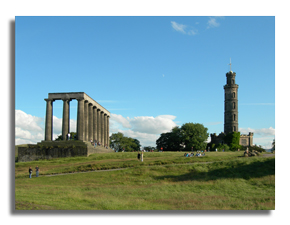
<point>144,128</point>
<point>192,32</point>
<point>178,27</point>
<point>144,138</point>
<point>151,125</point>
<point>183,28</point>
<point>30,129</point>
<point>263,131</point>
<point>28,122</point>
<point>263,136</point>
<point>120,119</point>
<point>212,22</point>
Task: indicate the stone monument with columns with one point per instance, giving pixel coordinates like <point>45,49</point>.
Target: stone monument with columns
<point>92,118</point>
<point>92,124</point>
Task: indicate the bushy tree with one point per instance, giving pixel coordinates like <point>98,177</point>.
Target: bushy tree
<point>119,142</point>
<point>233,140</point>
<point>194,136</point>
<point>222,147</point>
<point>72,135</point>
<point>149,148</point>
<point>169,142</point>
<point>190,135</point>
<point>273,146</point>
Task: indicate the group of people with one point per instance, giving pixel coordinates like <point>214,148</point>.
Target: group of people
<point>36,171</point>
<point>140,156</point>
<point>188,154</point>
<point>97,143</point>
<point>198,153</point>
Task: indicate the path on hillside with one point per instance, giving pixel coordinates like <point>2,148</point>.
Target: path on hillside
<point>108,170</point>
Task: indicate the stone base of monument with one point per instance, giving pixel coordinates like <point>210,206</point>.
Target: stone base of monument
<point>58,149</point>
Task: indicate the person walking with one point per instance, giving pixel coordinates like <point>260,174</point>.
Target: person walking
<point>68,136</point>
<point>141,156</point>
<point>37,171</point>
<point>138,156</point>
<point>30,172</point>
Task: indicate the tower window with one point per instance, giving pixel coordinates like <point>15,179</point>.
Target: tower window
<point>234,117</point>
<point>233,81</point>
<point>234,128</point>
<point>234,94</point>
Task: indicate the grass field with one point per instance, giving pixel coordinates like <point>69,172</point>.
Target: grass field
<point>164,181</point>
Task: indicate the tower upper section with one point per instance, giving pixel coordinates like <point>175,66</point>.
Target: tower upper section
<point>231,104</point>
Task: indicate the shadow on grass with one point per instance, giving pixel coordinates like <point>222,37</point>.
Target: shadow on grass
<point>226,170</point>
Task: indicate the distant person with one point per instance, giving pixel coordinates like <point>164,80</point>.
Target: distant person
<point>30,172</point>
<point>68,136</point>
<point>216,149</point>
<point>139,156</point>
<point>37,171</point>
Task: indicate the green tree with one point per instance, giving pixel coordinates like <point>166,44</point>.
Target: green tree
<point>119,142</point>
<point>116,141</point>
<point>149,148</point>
<point>233,140</point>
<point>273,146</point>
<point>194,136</point>
<point>221,147</point>
<point>137,145</point>
<point>72,135</point>
<point>190,135</point>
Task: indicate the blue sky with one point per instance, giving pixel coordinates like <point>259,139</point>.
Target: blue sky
<point>151,73</point>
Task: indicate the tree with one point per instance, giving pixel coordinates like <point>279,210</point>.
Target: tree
<point>137,145</point>
<point>194,136</point>
<point>72,135</point>
<point>190,135</point>
<point>167,142</point>
<point>273,146</point>
<point>149,148</point>
<point>233,140</point>
<point>116,141</point>
<point>119,142</point>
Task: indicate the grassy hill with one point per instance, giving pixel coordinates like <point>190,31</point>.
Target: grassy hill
<point>165,180</point>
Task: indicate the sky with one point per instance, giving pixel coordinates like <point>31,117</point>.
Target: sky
<point>151,72</point>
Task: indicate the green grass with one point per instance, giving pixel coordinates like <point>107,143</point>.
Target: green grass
<point>115,160</point>
<point>164,181</point>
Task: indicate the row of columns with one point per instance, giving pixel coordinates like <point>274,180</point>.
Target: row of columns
<point>92,122</point>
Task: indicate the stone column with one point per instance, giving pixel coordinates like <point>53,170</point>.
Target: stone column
<point>105,129</point>
<point>86,120</point>
<point>99,125</point>
<point>95,123</point>
<point>102,129</point>
<point>48,120</point>
<point>65,119</point>
<point>90,122</point>
<point>108,131</point>
<point>80,119</point>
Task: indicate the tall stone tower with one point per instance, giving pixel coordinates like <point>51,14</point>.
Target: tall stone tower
<point>231,104</point>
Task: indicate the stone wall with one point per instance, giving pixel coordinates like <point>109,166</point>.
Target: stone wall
<point>32,153</point>
<point>58,149</point>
